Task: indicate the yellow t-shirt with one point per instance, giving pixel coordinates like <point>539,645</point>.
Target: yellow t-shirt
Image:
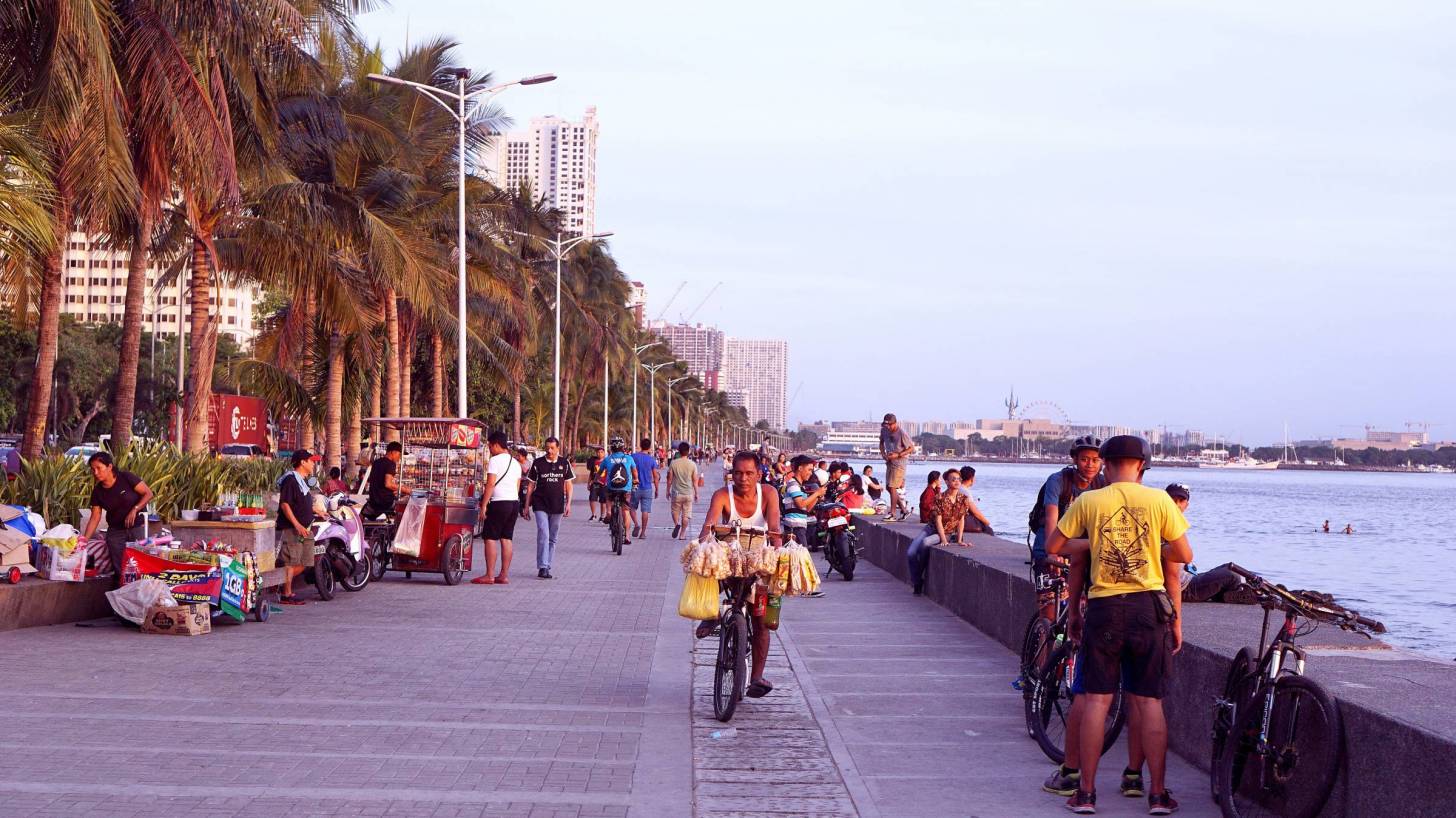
<point>1127,524</point>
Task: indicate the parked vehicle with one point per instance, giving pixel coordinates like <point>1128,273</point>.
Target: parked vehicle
<point>235,420</point>
<point>240,451</point>
<point>340,555</point>
<point>834,532</point>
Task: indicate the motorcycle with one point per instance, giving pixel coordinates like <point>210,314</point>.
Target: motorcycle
<point>834,532</point>
<point>340,556</point>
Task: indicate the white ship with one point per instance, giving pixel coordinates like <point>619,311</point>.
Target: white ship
<point>1240,462</point>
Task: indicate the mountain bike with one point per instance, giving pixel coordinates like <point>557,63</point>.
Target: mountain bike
<point>1277,735</point>
<point>1049,672</point>
<point>614,521</point>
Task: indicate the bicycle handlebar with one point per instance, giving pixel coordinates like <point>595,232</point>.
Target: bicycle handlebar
<point>1318,610</point>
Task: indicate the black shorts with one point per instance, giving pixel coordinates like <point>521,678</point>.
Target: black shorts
<point>613,496</point>
<point>1126,644</point>
<point>500,520</point>
<point>596,493</point>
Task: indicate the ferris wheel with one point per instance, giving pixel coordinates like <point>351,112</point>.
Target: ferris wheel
<point>1043,410</point>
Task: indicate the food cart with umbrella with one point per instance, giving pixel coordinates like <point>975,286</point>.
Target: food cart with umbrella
<point>440,478</point>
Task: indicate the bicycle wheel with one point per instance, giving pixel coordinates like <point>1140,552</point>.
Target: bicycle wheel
<point>1238,689</point>
<point>1034,649</point>
<point>615,526</point>
<point>729,675</point>
<point>1289,774</point>
<point>1049,705</point>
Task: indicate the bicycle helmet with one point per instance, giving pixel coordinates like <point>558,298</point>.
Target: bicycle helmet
<point>1085,442</point>
<point>1125,447</point>
<point>617,444</point>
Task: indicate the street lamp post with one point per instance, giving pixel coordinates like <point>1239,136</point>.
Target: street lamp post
<point>459,97</point>
<point>559,247</point>
<point>635,352</point>
<point>652,400</point>
<point>669,405</point>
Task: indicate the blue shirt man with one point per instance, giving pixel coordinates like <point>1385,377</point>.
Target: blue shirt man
<point>646,488</point>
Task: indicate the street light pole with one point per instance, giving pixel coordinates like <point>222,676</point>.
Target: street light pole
<point>669,405</point>
<point>635,352</point>
<point>459,97</point>
<point>652,400</point>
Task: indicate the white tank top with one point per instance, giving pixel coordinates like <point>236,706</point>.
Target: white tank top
<point>754,520</point>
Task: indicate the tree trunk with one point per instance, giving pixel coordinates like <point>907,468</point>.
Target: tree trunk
<point>391,359</point>
<point>437,374</point>
<point>78,434</point>
<point>352,444</point>
<point>123,408</point>
<point>48,336</point>
<point>516,414</point>
<point>305,433</point>
<point>376,398</point>
<point>203,341</point>
<point>406,367</point>
<point>334,405</point>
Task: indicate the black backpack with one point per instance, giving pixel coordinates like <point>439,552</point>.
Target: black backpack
<point>1036,520</point>
<point>617,475</point>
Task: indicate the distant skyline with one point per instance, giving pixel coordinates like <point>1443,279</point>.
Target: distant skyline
<point>1224,216</point>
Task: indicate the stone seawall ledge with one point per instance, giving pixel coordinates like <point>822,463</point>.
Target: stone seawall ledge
<point>1397,706</point>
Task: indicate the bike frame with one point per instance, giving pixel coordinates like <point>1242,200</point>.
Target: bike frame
<point>1274,662</point>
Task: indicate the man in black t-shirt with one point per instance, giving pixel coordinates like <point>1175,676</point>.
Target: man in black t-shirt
<point>384,482</point>
<point>295,515</point>
<point>548,496</point>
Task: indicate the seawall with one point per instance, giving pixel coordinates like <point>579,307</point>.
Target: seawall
<point>1400,727</point>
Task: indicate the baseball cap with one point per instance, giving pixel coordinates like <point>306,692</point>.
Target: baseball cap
<point>1178,491</point>
<point>300,455</point>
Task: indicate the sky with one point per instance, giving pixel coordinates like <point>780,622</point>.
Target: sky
<point>1225,216</point>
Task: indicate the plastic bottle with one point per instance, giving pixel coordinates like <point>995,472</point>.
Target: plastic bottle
<point>771,616</point>
<point>131,573</point>
<point>728,733</point>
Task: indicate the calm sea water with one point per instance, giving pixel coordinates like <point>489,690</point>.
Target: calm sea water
<point>1397,567</point>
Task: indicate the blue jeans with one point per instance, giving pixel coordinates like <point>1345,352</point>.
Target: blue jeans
<point>546,527</point>
<point>917,556</point>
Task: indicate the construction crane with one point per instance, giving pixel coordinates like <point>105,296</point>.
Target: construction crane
<point>690,315</point>
<point>793,397</point>
<point>672,299</point>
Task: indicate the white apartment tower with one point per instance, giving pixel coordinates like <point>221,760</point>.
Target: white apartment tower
<point>558,159</point>
<point>93,291</point>
<point>760,370</point>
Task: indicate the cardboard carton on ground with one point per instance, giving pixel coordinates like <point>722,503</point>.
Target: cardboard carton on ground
<point>182,620</point>
<point>14,552</point>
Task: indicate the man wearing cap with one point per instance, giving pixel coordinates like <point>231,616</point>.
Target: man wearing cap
<point>1133,538</point>
<point>896,447</point>
<point>295,515</point>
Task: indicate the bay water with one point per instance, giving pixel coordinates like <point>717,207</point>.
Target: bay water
<point>1398,567</point>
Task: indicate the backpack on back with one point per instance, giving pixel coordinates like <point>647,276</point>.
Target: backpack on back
<point>617,478</point>
<point>1036,520</point>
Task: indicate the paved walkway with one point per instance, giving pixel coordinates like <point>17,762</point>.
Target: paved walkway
<point>570,698</point>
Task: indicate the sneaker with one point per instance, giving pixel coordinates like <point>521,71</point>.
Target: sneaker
<point>541,573</point>
<point>1242,595</point>
<point>1131,785</point>
<point>546,574</point>
<point>1083,803</point>
<point>1062,782</point>
<point>634,531</point>
<point>815,594</point>
<point>676,530</point>
<point>919,588</point>
<point>1162,803</point>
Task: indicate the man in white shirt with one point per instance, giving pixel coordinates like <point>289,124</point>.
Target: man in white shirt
<point>498,521</point>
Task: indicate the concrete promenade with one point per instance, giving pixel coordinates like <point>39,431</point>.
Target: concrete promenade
<point>578,697</point>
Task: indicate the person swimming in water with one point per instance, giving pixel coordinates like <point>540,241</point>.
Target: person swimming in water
<point>1327,526</point>
<point>1348,529</point>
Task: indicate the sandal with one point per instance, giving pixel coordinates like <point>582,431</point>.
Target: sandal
<point>706,629</point>
<point>291,599</point>
<point>501,580</point>
<point>485,580</point>
<point>758,689</point>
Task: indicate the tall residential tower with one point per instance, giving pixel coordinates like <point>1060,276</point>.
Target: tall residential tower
<point>558,159</point>
<point>759,370</point>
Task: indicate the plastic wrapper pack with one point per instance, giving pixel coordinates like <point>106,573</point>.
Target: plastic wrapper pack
<point>795,574</point>
<point>735,557</point>
<point>132,600</point>
<point>411,528</point>
<point>699,598</point>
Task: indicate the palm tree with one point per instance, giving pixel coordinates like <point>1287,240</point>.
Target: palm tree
<point>58,55</point>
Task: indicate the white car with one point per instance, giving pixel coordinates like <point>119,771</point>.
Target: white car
<point>240,451</point>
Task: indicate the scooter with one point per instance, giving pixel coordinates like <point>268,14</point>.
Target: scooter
<point>834,531</point>
<point>340,555</point>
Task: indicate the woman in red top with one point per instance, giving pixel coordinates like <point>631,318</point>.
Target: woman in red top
<point>927,497</point>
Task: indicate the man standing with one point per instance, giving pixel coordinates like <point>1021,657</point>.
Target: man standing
<point>502,488</point>
<point>1064,486</point>
<point>647,467</point>
<point>548,495</point>
<point>122,496</point>
<point>384,482</point>
<point>1135,541</point>
<point>295,515</point>
<point>683,483</point>
<point>896,447</point>
<point>593,465</point>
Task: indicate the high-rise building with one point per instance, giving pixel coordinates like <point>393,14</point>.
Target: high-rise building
<point>697,345</point>
<point>637,301</point>
<point>760,370</point>
<point>558,159</point>
<point>93,291</point>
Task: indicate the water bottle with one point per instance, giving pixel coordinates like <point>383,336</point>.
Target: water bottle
<point>131,573</point>
<point>771,616</point>
<point>728,733</point>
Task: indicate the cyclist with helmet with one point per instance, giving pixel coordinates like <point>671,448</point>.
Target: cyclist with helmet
<point>1133,540</point>
<point>619,476</point>
<point>1061,488</point>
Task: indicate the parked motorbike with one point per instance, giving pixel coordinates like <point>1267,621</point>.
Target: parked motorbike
<point>834,532</point>
<point>340,556</point>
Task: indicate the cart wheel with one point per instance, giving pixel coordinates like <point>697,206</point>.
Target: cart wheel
<point>409,574</point>
<point>452,560</point>
<point>323,578</point>
<point>261,611</point>
<point>13,575</point>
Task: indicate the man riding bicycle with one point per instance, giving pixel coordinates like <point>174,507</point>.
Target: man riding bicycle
<point>620,477</point>
<point>752,506</point>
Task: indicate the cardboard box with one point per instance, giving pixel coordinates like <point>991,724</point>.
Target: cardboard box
<point>182,620</point>
<point>267,560</point>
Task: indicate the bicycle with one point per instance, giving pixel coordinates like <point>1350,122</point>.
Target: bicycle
<point>1048,671</point>
<point>614,521</point>
<point>1277,735</point>
<point>736,632</point>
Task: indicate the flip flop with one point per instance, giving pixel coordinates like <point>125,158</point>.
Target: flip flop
<point>290,600</point>
<point>501,580</point>
<point>758,689</point>
<point>706,629</point>
<point>482,581</point>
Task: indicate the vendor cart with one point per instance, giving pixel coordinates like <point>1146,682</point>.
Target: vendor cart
<point>232,581</point>
<point>440,478</point>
